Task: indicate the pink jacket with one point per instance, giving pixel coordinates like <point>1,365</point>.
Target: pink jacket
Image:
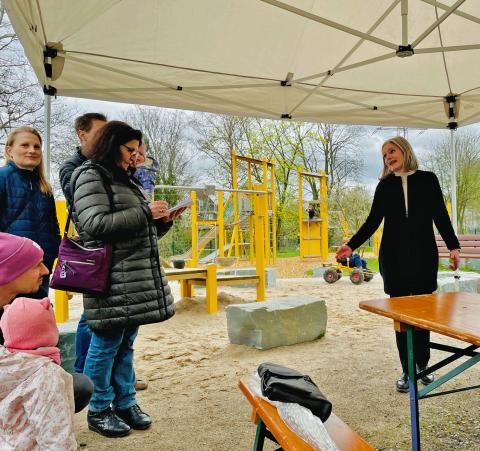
<point>36,404</point>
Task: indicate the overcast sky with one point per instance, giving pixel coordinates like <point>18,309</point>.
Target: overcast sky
<point>368,148</point>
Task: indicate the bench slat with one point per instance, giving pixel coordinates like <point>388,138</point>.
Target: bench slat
<point>345,438</point>
<point>470,246</point>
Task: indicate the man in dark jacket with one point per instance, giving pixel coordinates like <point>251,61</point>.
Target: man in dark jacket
<point>86,126</point>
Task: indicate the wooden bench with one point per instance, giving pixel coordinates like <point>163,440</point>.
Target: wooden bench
<point>208,278</point>
<point>270,425</point>
<point>470,245</point>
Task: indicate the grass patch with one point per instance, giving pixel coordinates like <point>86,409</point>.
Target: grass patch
<point>372,263</point>
<point>285,253</point>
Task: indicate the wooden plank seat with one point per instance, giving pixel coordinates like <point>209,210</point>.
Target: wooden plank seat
<point>470,245</point>
<point>228,279</point>
<point>185,273</point>
<point>268,420</point>
<point>209,278</point>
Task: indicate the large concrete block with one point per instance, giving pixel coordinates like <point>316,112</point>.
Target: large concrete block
<point>67,345</point>
<point>473,263</point>
<point>277,322</point>
<point>469,282</point>
<point>319,271</point>
<point>270,276</point>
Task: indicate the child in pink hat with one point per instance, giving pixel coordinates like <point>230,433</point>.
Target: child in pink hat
<point>28,325</point>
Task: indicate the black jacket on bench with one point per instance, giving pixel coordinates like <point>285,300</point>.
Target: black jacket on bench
<point>408,257</point>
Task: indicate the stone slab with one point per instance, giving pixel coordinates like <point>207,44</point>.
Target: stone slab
<point>270,276</point>
<point>277,322</point>
<point>469,282</point>
<point>473,263</point>
<point>66,344</point>
<point>319,271</point>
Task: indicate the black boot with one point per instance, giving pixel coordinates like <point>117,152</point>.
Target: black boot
<point>107,423</point>
<point>402,383</point>
<point>134,417</point>
<point>428,379</point>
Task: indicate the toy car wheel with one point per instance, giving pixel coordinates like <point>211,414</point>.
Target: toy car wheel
<point>339,272</point>
<point>367,275</point>
<point>356,277</point>
<point>330,276</point>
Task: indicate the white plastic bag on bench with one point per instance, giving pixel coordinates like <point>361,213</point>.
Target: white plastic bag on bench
<point>299,419</point>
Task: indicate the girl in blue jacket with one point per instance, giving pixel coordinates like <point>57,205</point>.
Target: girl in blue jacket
<point>27,206</point>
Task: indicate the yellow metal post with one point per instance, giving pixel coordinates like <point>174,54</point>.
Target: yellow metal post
<point>221,225</point>
<point>193,212</point>
<point>266,221</point>
<point>61,297</point>
<point>235,203</point>
<point>300,214</point>
<point>377,237</point>
<point>251,224</point>
<point>211,289</point>
<point>61,306</point>
<point>260,201</point>
<point>323,216</point>
<point>274,213</point>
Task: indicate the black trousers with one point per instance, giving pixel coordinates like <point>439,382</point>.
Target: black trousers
<point>82,390</point>
<point>421,348</point>
<point>421,342</point>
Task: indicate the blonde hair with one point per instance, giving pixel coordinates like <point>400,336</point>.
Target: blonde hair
<point>410,162</point>
<point>44,185</point>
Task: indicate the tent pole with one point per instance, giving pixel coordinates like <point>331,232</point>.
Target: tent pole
<point>454,180</point>
<point>47,123</point>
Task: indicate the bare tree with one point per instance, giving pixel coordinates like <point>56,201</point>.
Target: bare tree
<point>21,100</point>
<point>334,149</point>
<point>438,160</point>
<point>166,134</point>
<point>216,136</point>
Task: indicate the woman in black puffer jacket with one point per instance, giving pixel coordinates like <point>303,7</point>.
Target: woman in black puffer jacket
<point>110,207</point>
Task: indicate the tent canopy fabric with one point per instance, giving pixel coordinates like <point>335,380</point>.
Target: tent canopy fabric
<point>380,62</point>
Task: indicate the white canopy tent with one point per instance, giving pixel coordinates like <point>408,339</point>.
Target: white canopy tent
<point>408,63</point>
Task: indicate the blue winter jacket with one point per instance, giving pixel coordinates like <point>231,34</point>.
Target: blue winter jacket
<point>38,219</point>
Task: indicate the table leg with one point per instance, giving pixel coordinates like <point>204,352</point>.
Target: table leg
<point>413,391</point>
<point>259,436</point>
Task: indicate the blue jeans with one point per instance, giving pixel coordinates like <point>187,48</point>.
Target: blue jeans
<point>82,343</point>
<point>109,364</point>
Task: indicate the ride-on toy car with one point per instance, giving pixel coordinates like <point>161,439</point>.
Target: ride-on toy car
<point>357,275</point>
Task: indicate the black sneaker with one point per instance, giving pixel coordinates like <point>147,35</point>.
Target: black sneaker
<point>134,417</point>
<point>107,423</point>
<point>402,383</point>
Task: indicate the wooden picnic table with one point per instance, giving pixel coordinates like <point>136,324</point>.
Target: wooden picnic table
<point>456,315</point>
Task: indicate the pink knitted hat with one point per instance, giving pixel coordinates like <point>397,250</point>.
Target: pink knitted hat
<point>28,325</point>
<point>17,254</point>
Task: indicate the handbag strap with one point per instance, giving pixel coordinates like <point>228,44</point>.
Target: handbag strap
<point>109,191</point>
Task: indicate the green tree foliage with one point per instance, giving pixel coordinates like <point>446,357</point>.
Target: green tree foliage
<point>438,160</point>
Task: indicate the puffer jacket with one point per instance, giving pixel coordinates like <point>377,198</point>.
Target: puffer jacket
<point>139,292</point>
<point>38,220</point>
<point>66,171</point>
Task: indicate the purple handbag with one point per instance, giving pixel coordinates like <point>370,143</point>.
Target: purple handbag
<point>80,269</point>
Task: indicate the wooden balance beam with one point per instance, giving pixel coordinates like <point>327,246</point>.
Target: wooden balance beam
<point>270,425</point>
<point>208,278</point>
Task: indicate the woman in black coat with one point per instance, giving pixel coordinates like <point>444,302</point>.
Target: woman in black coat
<point>110,207</point>
<point>409,201</point>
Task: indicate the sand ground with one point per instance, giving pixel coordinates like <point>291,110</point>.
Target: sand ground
<point>193,372</point>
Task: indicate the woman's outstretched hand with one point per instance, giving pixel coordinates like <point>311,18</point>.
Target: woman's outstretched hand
<point>454,259</point>
<point>344,251</point>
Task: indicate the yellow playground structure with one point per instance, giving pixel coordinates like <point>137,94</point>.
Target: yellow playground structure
<point>313,232</point>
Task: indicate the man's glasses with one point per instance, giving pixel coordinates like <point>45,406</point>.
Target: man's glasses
<point>130,149</point>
